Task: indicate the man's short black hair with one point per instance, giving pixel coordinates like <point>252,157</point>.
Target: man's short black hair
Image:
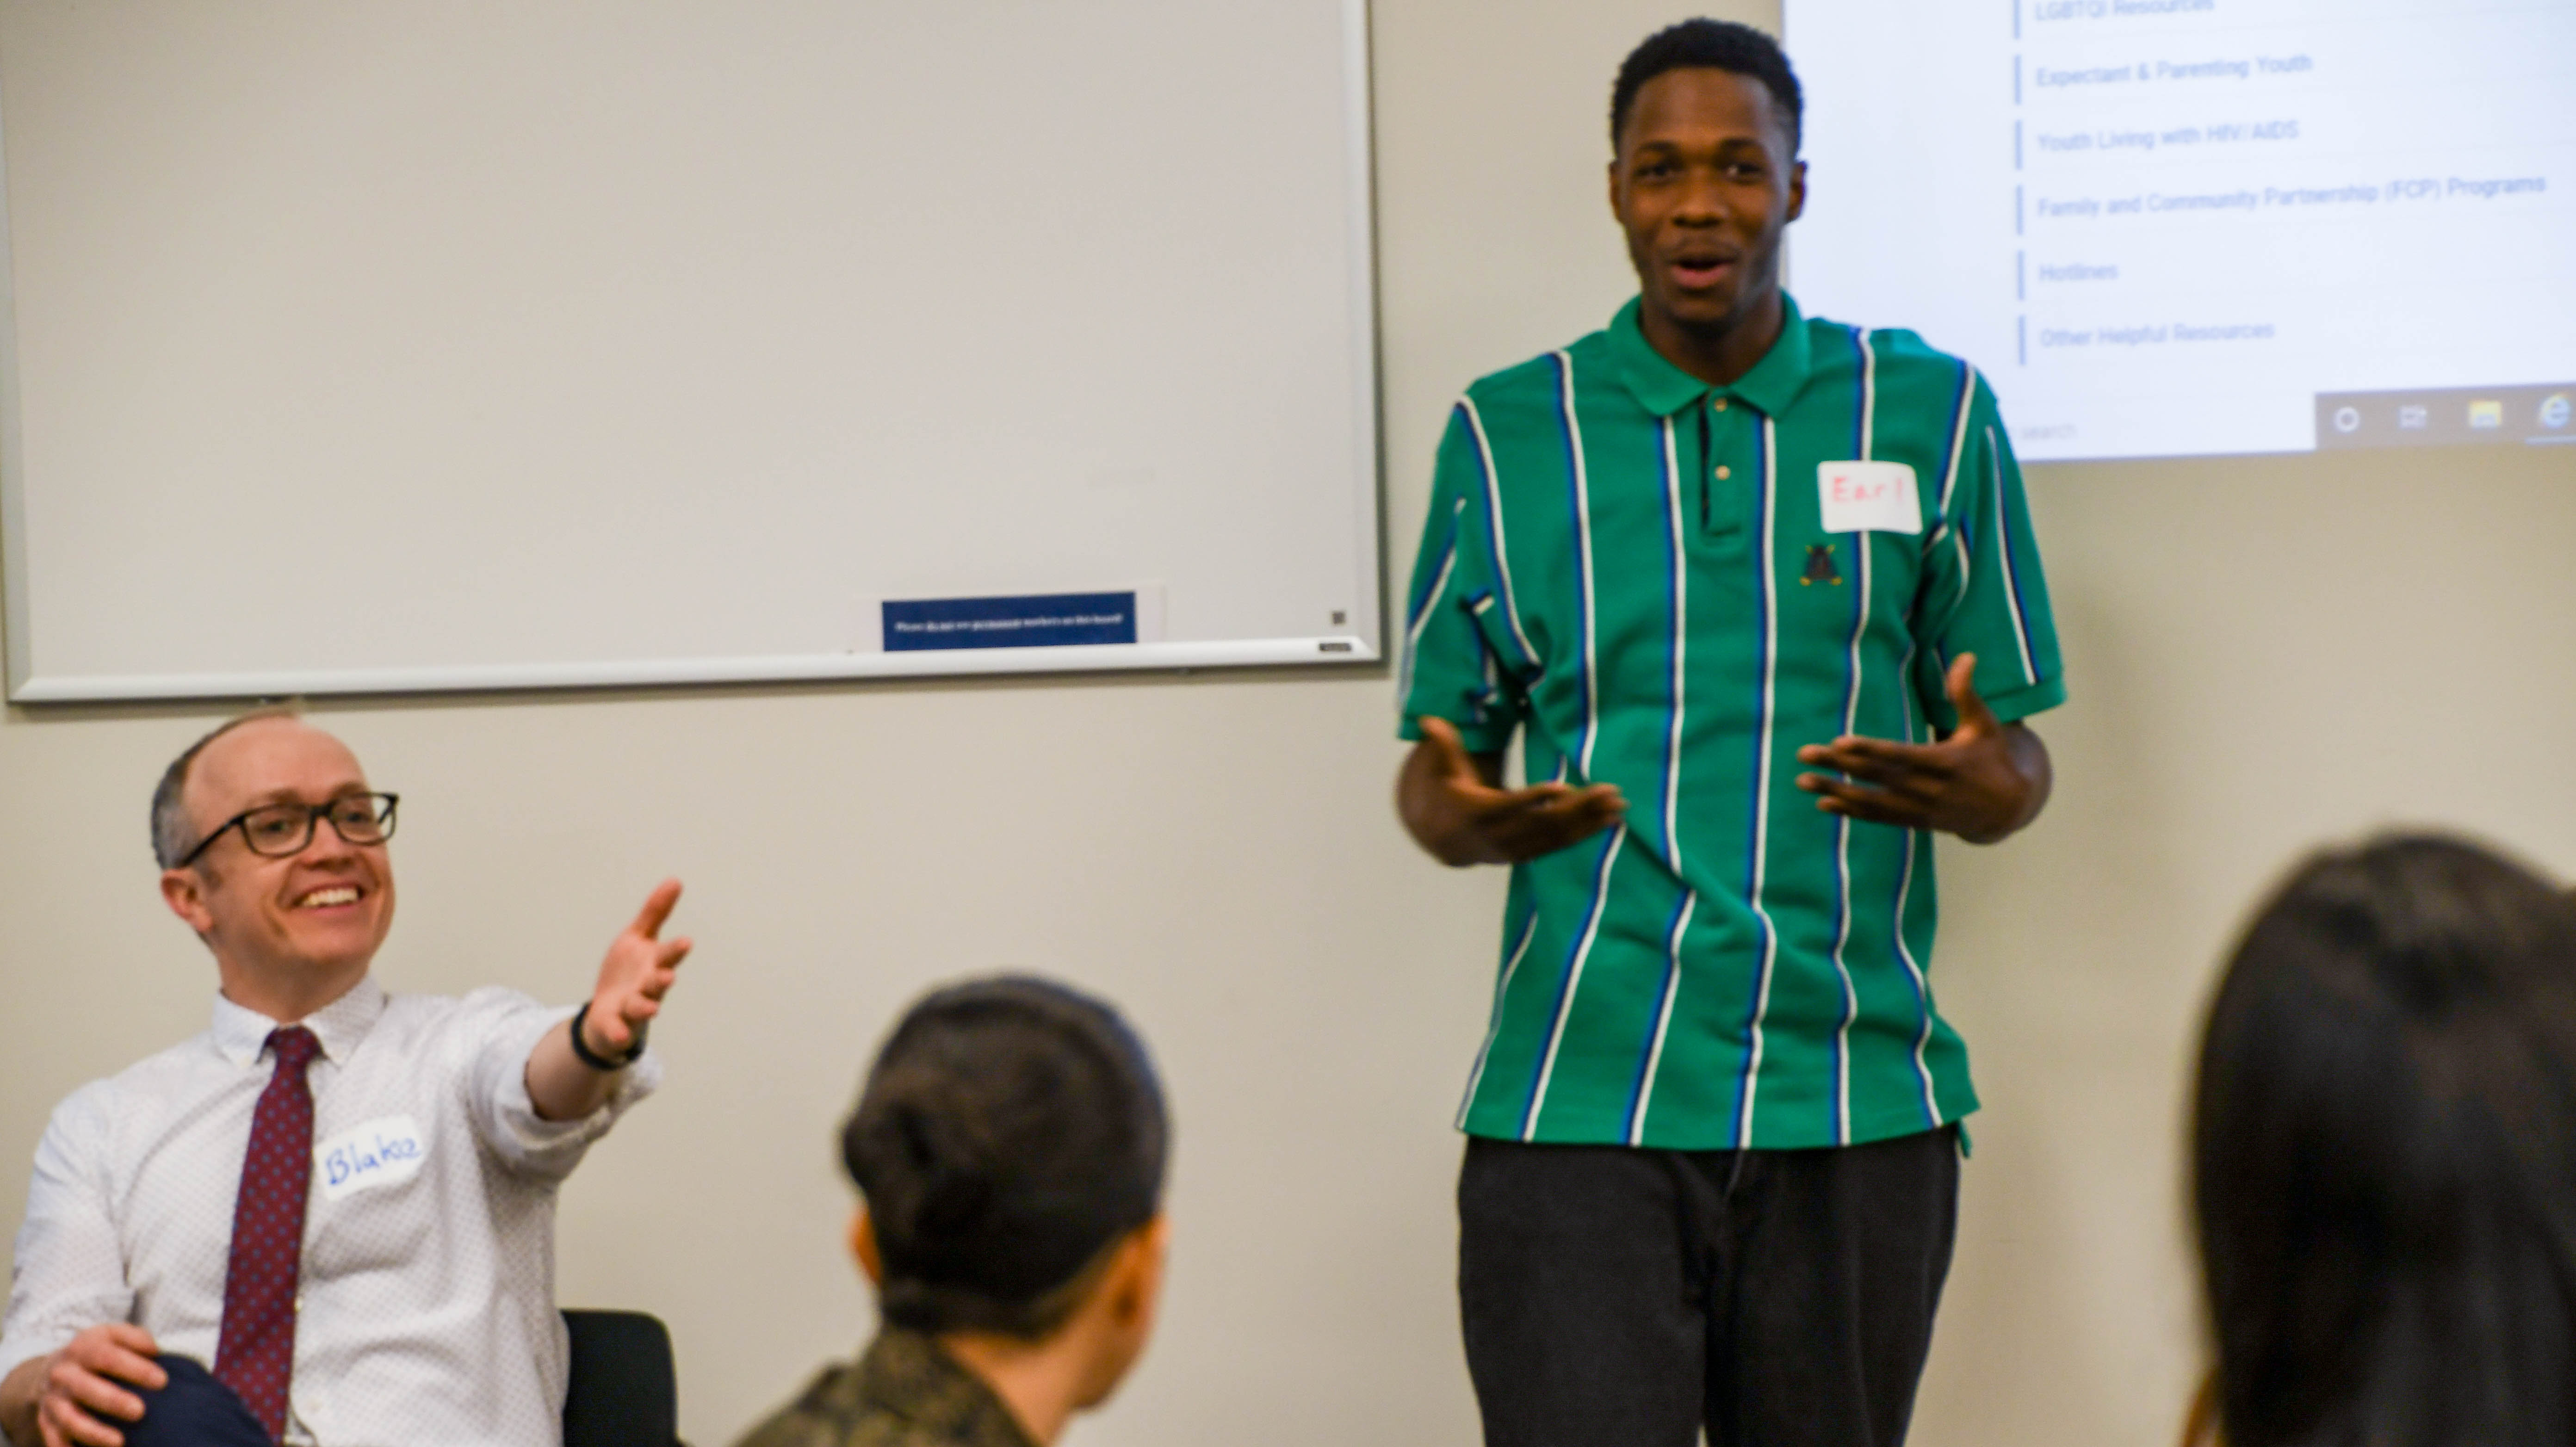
<point>1011,1133</point>
<point>1713,45</point>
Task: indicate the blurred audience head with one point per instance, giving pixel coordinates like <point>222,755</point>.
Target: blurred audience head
<point>2384,1156</point>
<point>1010,1146</point>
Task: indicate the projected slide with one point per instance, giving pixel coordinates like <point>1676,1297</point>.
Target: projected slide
<point>2174,227</point>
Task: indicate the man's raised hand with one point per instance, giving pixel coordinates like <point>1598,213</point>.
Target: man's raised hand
<point>564,1083</point>
<point>1451,803</point>
<point>1984,780</point>
<point>636,975</point>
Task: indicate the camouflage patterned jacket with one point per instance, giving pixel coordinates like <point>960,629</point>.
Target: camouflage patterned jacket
<point>905,1392</point>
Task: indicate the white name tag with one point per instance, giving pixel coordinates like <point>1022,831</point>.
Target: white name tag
<point>386,1151</point>
<point>1875,497</point>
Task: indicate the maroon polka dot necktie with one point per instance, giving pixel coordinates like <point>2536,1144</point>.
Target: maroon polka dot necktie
<point>256,1352</point>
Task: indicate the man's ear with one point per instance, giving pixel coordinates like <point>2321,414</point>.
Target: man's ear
<point>185,892</point>
<point>1797,190</point>
<point>1136,1282</point>
<point>863,1245</point>
<point>1614,194</point>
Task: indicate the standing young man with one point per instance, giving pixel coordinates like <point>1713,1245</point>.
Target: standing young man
<point>1760,596</point>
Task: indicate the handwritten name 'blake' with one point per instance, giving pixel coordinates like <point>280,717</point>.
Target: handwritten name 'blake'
<point>383,1152</point>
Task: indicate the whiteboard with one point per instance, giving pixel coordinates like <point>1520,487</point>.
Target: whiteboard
<point>465,344</point>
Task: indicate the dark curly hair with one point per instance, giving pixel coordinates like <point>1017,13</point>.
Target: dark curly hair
<point>1712,45</point>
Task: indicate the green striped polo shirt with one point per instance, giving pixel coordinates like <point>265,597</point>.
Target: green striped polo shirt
<point>1632,568</point>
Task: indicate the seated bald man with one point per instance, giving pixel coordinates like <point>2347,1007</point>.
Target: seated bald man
<point>330,1218</point>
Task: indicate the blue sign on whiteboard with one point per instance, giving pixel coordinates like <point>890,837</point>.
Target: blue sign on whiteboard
<point>1047,620</point>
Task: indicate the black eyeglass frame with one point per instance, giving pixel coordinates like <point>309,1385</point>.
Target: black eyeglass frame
<point>314,817</point>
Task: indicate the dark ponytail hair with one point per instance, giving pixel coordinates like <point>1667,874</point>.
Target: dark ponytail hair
<point>1010,1134</point>
<point>2384,1156</point>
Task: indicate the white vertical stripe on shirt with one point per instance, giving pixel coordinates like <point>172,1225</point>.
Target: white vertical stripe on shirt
<point>1590,730</point>
<point>1663,1015</point>
<point>1868,394</point>
<point>1494,523</point>
<point>1851,725</point>
<point>1591,726</point>
<point>2003,560</point>
<point>1959,433</point>
<point>1430,602</point>
<point>1494,1026</point>
<point>1681,636</point>
<point>1573,979</point>
<point>1672,786</point>
<point>1950,476</point>
<point>1905,952</point>
<point>1762,775</point>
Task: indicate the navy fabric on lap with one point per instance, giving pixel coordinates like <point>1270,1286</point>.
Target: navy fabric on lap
<point>195,1410</point>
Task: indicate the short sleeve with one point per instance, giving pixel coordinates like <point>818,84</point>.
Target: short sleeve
<point>501,1027</point>
<point>1450,670</point>
<point>68,1273</point>
<point>1983,590</point>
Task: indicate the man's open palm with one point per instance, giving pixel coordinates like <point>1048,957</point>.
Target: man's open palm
<point>637,973</point>
<point>1984,780</point>
<point>1449,800</point>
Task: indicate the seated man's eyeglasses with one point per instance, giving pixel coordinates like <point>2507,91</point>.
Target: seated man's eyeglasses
<point>280,830</point>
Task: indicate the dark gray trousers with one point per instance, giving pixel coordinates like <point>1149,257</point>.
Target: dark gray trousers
<point>1616,1297</point>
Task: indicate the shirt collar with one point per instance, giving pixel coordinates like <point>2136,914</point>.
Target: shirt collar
<point>905,1374</point>
<point>1664,389</point>
<point>242,1033</point>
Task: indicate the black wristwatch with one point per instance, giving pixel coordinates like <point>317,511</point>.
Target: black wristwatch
<point>606,1065</point>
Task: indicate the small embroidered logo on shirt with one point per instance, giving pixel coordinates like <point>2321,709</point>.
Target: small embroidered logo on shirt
<point>1820,565</point>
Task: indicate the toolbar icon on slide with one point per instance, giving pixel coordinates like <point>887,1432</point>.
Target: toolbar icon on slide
<point>2486,416</point>
<point>2554,412</point>
<point>2347,419</point>
<point>2413,417</point>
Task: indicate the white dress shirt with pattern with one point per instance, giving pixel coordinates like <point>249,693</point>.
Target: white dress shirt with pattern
<point>426,1307</point>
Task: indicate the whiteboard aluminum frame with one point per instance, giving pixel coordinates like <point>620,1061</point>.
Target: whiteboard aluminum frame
<point>1366,645</point>
<point>681,672</point>
<point>15,633</point>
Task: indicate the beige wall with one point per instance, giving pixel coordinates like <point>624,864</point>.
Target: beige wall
<point>2263,652</point>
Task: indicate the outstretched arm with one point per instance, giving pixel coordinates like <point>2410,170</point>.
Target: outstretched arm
<point>1452,803</point>
<point>1986,780</point>
<point>632,981</point>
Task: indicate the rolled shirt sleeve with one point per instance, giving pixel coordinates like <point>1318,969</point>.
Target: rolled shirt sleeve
<point>68,1272</point>
<point>502,1026</point>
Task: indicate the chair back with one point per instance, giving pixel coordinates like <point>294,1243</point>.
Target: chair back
<point>622,1390</point>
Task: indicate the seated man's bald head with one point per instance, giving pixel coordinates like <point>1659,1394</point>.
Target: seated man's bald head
<point>274,851</point>
<point>173,834</point>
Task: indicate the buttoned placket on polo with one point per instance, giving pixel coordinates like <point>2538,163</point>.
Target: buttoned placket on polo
<point>1727,465</point>
<point>1724,428</point>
